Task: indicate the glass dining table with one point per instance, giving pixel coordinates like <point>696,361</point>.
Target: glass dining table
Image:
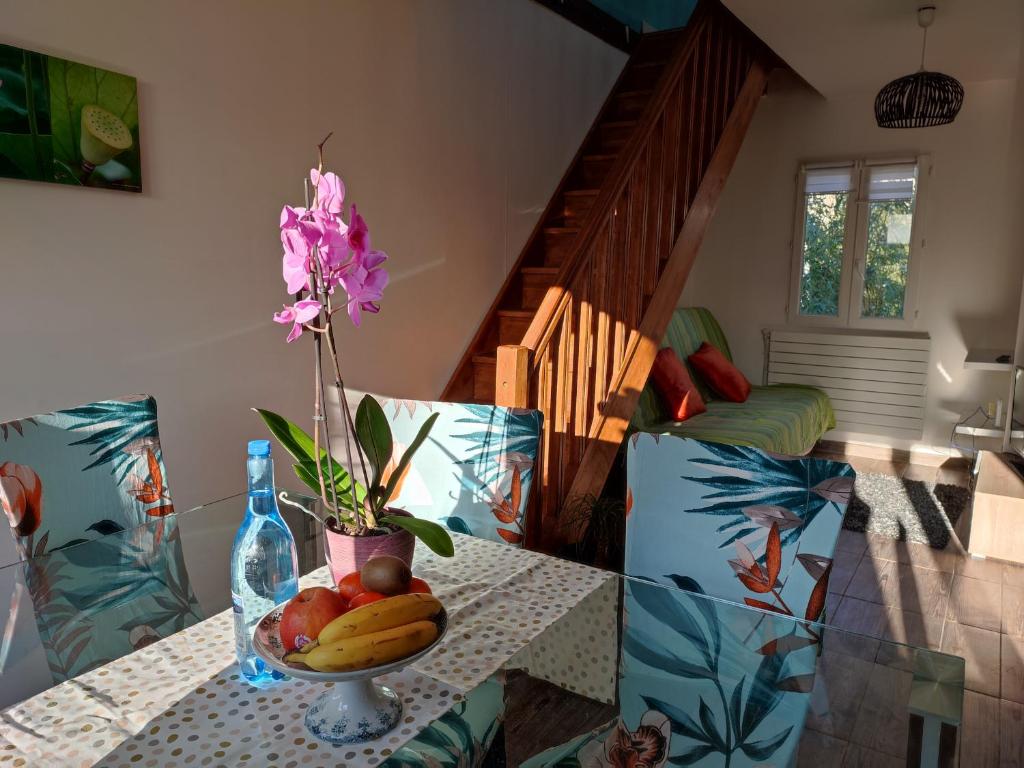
<point>591,668</point>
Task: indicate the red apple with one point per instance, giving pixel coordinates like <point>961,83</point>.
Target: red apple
<point>307,613</point>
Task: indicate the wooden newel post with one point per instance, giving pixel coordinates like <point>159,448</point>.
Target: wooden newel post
<point>512,387</point>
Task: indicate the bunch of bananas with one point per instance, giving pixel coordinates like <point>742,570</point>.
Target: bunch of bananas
<point>374,634</point>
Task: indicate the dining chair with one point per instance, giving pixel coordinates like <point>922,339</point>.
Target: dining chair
<point>748,527</point>
<point>85,492</point>
<point>473,474</point>
<point>475,469</point>
<point>744,525</point>
<point>704,680</point>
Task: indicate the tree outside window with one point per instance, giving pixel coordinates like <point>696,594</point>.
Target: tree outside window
<point>854,230</point>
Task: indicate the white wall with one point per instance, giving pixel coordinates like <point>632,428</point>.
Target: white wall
<point>972,262</point>
<point>453,121</point>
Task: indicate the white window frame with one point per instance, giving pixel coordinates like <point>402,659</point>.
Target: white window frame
<point>851,284</point>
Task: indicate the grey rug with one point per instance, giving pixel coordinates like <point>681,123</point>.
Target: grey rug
<point>908,510</point>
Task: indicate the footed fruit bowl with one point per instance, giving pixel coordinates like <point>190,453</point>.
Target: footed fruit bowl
<point>355,709</point>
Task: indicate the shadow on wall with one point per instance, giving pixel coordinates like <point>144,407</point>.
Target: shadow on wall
<point>984,331</point>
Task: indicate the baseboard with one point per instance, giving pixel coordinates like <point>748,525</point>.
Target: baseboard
<point>924,456</point>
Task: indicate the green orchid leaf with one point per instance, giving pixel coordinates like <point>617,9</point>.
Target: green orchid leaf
<point>342,479</point>
<point>306,472</point>
<point>427,531</point>
<point>374,436</point>
<point>293,438</point>
<point>403,463</point>
<point>298,443</point>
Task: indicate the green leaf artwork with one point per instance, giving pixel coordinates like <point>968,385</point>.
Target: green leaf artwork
<point>66,122</point>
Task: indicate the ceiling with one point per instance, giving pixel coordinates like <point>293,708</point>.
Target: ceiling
<point>847,45</point>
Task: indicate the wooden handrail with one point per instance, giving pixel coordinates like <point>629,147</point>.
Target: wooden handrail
<point>589,348</point>
<point>553,305</point>
<point>452,387</point>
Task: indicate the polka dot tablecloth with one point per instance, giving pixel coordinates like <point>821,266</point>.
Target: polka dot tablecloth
<point>181,701</point>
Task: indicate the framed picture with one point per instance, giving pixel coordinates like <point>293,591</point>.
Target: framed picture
<point>68,123</point>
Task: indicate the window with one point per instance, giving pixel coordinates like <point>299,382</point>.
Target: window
<point>855,260</point>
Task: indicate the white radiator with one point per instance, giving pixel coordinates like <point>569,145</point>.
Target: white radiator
<point>876,381</point>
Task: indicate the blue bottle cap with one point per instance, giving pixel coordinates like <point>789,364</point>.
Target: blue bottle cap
<point>259,447</point>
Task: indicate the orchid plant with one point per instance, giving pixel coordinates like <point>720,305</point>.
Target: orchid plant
<point>330,267</point>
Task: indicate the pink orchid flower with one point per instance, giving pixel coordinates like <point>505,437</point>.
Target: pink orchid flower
<point>298,315</point>
<point>318,243</point>
<point>358,233</point>
<point>295,262</point>
<point>333,244</point>
<point>365,285</point>
<point>330,191</point>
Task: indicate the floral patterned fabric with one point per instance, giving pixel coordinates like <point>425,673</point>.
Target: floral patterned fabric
<point>461,737</point>
<point>748,527</point>
<point>474,471</point>
<point>472,474</point>
<point>78,487</point>
<point>745,525</point>
<point>704,681</point>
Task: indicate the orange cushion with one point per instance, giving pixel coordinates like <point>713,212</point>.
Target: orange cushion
<point>673,384</point>
<point>723,377</point>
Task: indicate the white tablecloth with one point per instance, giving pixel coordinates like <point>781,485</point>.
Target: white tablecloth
<point>182,702</point>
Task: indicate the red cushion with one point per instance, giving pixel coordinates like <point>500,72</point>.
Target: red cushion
<point>673,383</point>
<point>723,377</point>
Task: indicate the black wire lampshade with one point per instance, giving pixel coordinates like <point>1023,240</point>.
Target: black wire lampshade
<point>922,99</point>
<point>919,100</point>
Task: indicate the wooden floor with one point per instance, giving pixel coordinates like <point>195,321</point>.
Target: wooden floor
<point>541,714</point>
<point>945,600</point>
<point>941,599</point>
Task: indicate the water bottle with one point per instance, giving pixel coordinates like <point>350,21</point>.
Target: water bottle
<point>264,565</point>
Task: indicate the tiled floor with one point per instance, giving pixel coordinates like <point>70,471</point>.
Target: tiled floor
<point>945,600</point>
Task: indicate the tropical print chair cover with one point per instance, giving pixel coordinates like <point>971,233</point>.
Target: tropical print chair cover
<point>474,471</point>
<point>744,525</point>
<point>462,736</point>
<point>472,474</point>
<point>86,496</point>
<point>704,681</point>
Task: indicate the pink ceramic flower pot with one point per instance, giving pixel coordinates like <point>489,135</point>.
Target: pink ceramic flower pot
<point>346,554</point>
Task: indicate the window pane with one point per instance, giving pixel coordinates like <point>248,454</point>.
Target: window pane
<point>887,254</point>
<point>821,268</point>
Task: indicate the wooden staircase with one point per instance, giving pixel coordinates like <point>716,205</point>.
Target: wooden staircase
<point>574,329</point>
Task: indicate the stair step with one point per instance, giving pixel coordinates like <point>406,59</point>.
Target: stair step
<point>613,134</point>
<point>631,103</point>
<point>536,281</point>
<point>512,325</point>
<point>594,168</point>
<point>642,74</point>
<point>557,241</point>
<point>484,370</point>
<point>577,203</point>
<point>657,46</point>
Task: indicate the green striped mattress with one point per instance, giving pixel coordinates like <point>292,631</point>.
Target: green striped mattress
<point>781,418</point>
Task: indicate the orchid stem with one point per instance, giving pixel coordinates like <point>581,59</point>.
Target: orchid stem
<point>367,519</point>
<point>319,418</point>
<point>371,517</point>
